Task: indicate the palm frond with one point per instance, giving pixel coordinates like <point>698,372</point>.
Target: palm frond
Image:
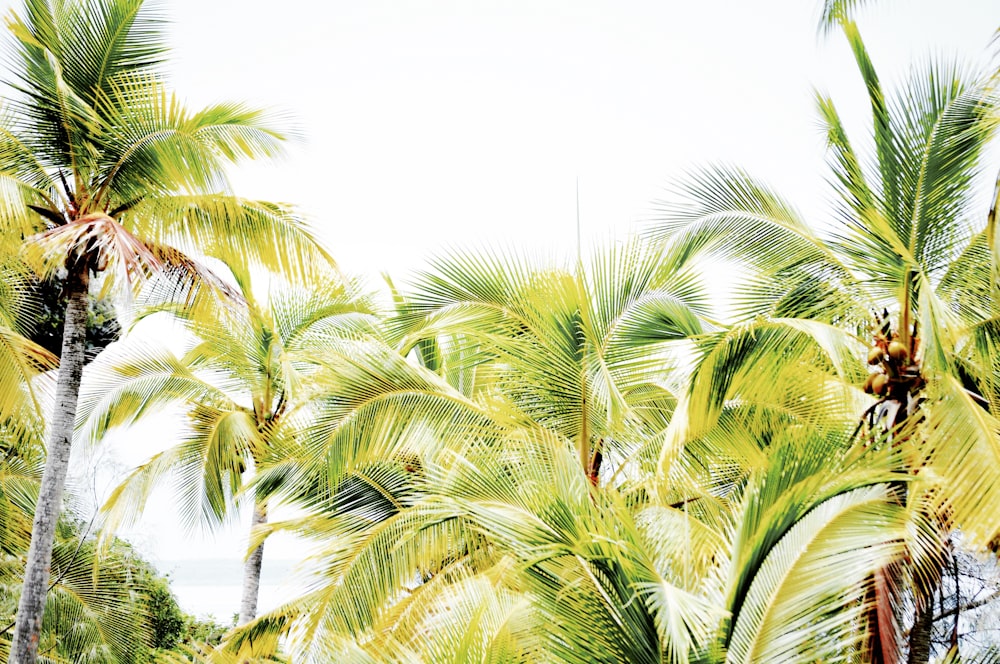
<point>232,229</point>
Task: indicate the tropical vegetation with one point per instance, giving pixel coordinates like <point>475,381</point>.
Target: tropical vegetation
<point>246,389</point>
<point>507,459</point>
<point>107,175</point>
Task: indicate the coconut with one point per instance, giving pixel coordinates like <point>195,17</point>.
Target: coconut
<point>868,383</point>
<point>898,351</point>
<point>879,383</point>
<point>875,355</point>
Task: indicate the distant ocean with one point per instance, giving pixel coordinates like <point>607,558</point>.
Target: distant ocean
<point>212,586</point>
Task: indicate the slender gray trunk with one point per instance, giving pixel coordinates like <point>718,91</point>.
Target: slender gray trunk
<point>251,570</point>
<point>920,633</point>
<point>923,610</point>
<point>28,626</point>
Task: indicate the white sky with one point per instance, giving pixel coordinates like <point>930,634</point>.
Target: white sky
<point>437,123</point>
<point>433,123</point>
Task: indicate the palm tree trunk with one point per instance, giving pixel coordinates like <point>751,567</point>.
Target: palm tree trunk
<point>27,629</point>
<point>926,585</point>
<point>883,639</point>
<point>251,569</point>
<point>882,642</point>
<point>920,633</point>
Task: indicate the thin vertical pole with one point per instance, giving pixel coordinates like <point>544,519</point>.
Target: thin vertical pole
<point>579,252</point>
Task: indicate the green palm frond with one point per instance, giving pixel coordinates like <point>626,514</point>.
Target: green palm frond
<point>154,145</point>
<point>780,362</point>
<point>727,214</point>
<point>963,439</point>
<point>20,474</point>
<point>25,381</point>
<point>92,42</point>
<point>835,12</point>
<point>812,581</point>
<point>21,367</point>
<point>248,387</point>
<point>230,228</point>
<point>585,352</point>
<point>929,140</point>
<point>24,179</point>
<point>98,607</point>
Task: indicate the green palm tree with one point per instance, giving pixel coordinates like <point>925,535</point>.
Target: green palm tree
<point>905,270</point>
<point>500,548</point>
<point>247,387</point>
<point>585,352</point>
<point>354,472</point>
<point>120,179</point>
<point>459,520</point>
<point>579,358</point>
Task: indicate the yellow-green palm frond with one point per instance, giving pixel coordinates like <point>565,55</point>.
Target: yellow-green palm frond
<point>88,44</point>
<point>230,228</point>
<point>580,557</point>
<point>24,181</point>
<point>91,128</point>
<point>835,12</point>
<point>20,474</point>
<point>331,308</point>
<point>908,206</point>
<point>473,619</point>
<point>22,383</point>
<point>725,213</point>
<point>154,146</point>
<point>131,382</point>
<point>206,468</point>
<point>968,287</point>
<point>962,444</point>
<point>67,57</point>
<point>97,609</point>
<point>25,378</point>
<point>783,363</point>
<point>368,407</point>
<point>517,521</point>
<point>585,352</point>
<point>805,600</point>
<point>247,390</point>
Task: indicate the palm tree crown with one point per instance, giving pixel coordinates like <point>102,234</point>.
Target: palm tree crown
<point>905,273</point>
<point>105,171</point>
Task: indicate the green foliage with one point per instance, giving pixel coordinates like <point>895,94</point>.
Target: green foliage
<point>50,312</point>
<point>740,518</point>
<point>106,603</point>
<point>105,171</point>
<point>208,631</point>
<point>546,463</point>
<point>165,618</point>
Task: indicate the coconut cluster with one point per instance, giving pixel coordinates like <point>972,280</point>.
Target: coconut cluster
<point>891,358</point>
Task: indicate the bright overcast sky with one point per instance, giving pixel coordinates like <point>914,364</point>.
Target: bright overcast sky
<point>432,123</point>
<point>436,123</point>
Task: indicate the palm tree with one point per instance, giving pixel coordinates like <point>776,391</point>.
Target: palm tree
<point>497,547</point>
<point>460,520</point>
<point>907,268</point>
<point>111,166</point>
<point>247,386</point>
<point>585,352</point>
<point>354,472</point>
